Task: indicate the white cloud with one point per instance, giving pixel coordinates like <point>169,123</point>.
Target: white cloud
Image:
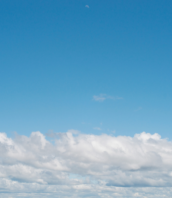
<point>85,165</point>
<point>87,6</point>
<point>102,97</point>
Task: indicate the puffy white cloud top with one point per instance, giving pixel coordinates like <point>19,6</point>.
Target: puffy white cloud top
<point>85,165</point>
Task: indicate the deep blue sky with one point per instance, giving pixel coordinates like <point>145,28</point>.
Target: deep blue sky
<point>55,55</point>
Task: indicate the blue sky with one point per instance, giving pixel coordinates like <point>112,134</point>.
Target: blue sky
<point>85,98</point>
<point>55,56</point>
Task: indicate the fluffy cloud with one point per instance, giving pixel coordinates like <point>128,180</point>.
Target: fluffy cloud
<point>85,165</point>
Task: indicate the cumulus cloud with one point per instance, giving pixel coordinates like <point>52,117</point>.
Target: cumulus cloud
<point>102,97</point>
<point>86,165</point>
<point>87,6</point>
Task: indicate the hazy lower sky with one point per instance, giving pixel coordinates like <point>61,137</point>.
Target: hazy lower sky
<point>91,66</point>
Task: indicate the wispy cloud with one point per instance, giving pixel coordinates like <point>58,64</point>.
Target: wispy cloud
<point>87,6</point>
<point>102,97</point>
<point>138,109</point>
<point>97,128</point>
<point>113,131</point>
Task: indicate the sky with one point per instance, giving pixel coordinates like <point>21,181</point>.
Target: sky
<point>74,73</point>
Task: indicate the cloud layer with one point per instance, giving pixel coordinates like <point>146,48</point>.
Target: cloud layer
<point>87,165</point>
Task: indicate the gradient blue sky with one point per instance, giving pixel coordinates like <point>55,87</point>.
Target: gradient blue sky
<point>55,56</point>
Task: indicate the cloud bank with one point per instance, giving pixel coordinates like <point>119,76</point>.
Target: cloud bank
<point>85,165</point>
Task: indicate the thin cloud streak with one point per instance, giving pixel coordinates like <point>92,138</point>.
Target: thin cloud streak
<point>103,97</point>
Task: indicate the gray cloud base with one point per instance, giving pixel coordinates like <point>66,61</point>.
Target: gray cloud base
<point>85,165</point>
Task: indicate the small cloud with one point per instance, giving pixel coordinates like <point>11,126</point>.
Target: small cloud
<point>97,128</point>
<point>103,97</point>
<point>51,134</point>
<point>100,98</point>
<point>87,6</point>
